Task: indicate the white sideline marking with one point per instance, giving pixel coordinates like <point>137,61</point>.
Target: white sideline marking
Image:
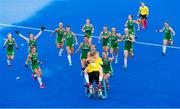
<point>31,28</point>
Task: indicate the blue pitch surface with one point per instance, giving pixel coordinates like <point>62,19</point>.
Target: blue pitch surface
<point>150,81</point>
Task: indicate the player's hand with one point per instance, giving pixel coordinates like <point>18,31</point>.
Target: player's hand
<point>157,30</point>
<point>42,28</point>
<point>17,32</point>
<point>26,65</point>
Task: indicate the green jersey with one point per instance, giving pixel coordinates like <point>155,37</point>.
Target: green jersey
<point>167,34</point>
<point>88,30</point>
<point>128,44</point>
<point>34,61</point>
<point>107,68</point>
<point>131,28</point>
<point>85,50</point>
<point>113,41</point>
<point>10,44</point>
<point>60,33</point>
<point>10,47</point>
<point>69,39</point>
<point>105,41</point>
<point>32,43</point>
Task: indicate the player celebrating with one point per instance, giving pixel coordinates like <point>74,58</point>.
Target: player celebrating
<point>168,39</point>
<point>114,44</point>
<point>59,41</point>
<point>68,36</point>
<point>107,68</point>
<point>128,46</point>
<point>130,25</point>
<point>10,41</point>
<point>37,73</point>
<point>93,70</point>
<point>85,46</point>
<point>104,35</point>
<point>32,39</point>
<point>143,14</point>
<point>88,29</point>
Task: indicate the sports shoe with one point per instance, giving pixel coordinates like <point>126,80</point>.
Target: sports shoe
<point>88,84</point>
<point>34,78</point>
<point>42,86</point>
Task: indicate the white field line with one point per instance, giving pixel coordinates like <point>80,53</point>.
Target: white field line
<point>38,29</point>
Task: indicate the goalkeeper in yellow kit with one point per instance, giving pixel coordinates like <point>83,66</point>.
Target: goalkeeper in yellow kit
<point>143,14</point>
<point>93,70</point>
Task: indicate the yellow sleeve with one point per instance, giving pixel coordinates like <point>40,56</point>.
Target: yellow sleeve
<point>100,61</point>
<point>147,10</point>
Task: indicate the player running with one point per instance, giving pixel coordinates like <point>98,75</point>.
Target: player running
<point>69,42</point>
<point>168,36</point>
<point>143,14</point>
<point>34,62</point>
<point>85,46</point>
<point>114,44</point>
<point>10,42</point>
<point>130,25</point>
<point>32,39</point>
<point>107,68</point>
<point>104,35</point>
<point>128,46</point>
<point>59,42</point>
<point>88,29</point>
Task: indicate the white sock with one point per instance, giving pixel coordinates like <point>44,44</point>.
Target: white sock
<point>125,62</point>
<point>40,81</point>
<point>116,56</point>
<point>69,59</point>
<point>164,49</point>
<point>100,78</point>
<point>61,50</point>
<point>86,77</point>
<point>112,56</point>
<point>8,62</point>
<point>35,75</point>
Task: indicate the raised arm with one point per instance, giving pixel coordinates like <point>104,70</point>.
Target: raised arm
<point>37,36</point>
<point>4,44</point>
<point>40,32</point>
<point>25,38</point>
